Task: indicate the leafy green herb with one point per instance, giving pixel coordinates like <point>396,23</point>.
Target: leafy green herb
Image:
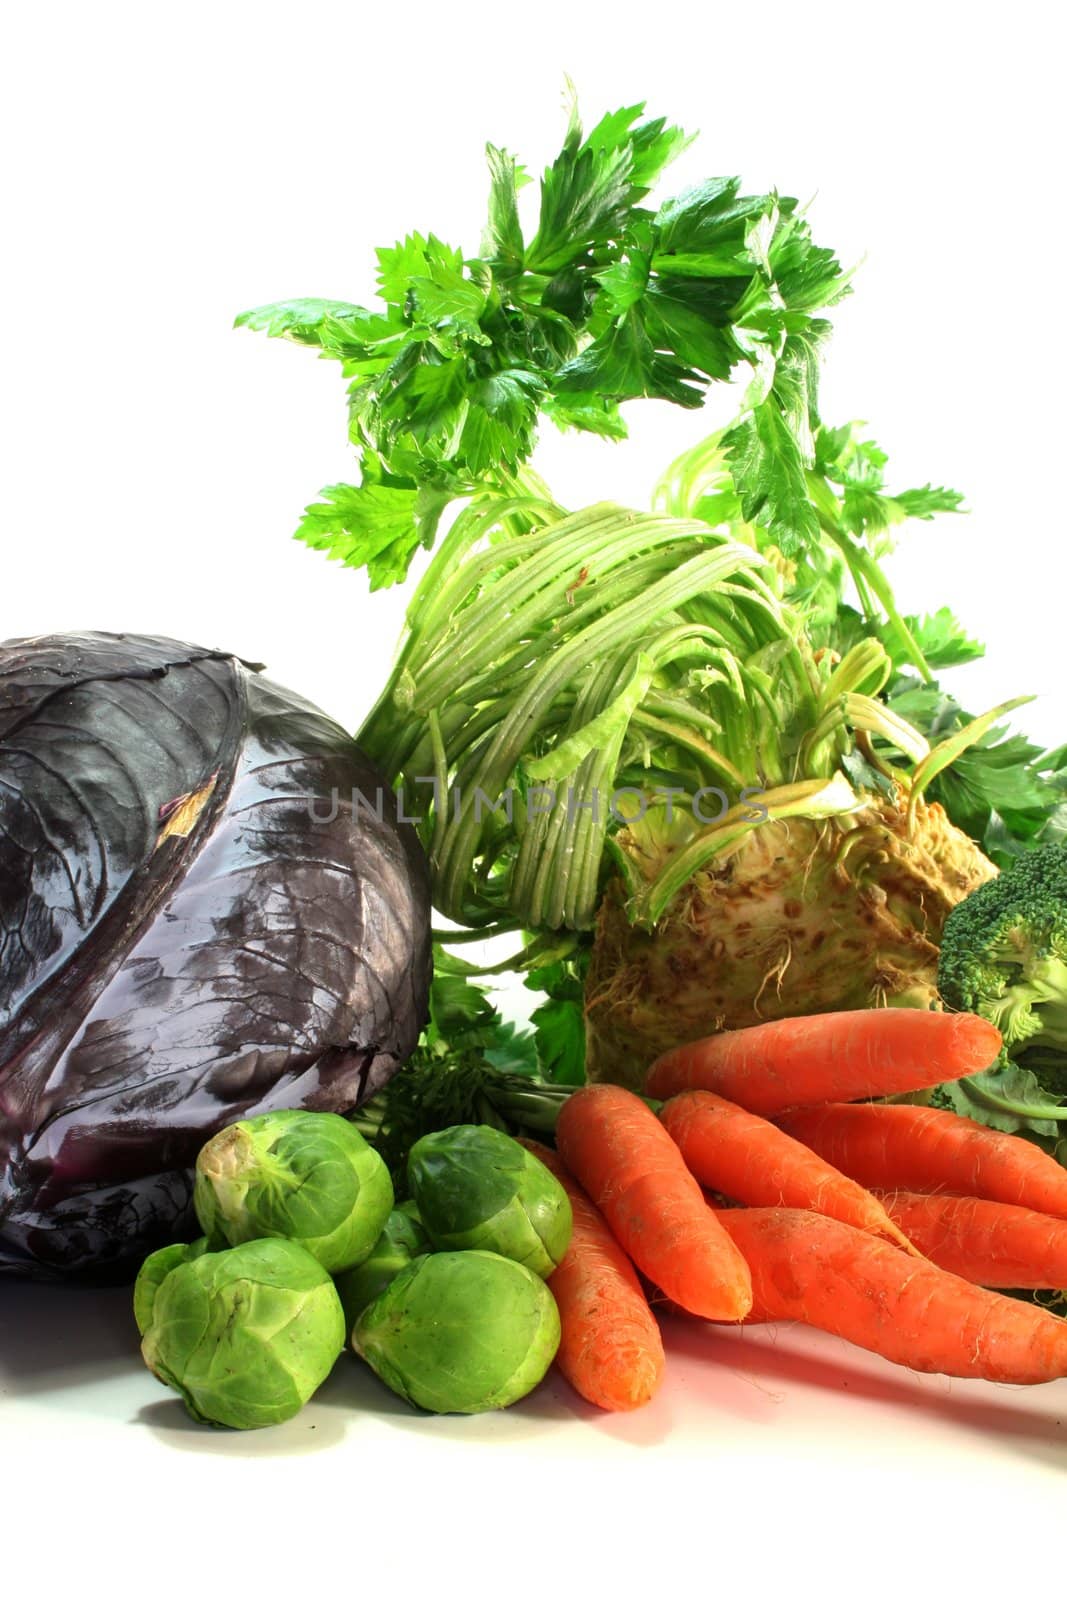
<point>470,1067</point>
<point>1004,790</point>
<point>607,302</point>
<point>560,1018</point>
<point>1010,1098</point>
<point>941,638</point>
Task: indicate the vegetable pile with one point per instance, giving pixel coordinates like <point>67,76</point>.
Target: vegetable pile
<point>444,1300</point>
<point>696,756</point>
<point>510,1255</point>
<point>795,920</point>
<point>698,760</point>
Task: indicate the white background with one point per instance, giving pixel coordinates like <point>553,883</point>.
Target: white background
<point>167,168</point>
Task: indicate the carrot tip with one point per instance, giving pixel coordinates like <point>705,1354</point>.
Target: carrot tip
<point>897,1237</point>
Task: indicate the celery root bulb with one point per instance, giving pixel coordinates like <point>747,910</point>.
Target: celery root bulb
<point>805,916</point>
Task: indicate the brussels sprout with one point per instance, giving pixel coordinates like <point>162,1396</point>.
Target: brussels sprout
<point>246,1335</point>
<point>462,1331</point>
<point>402,1239</point>
<point>303,1175</point>
<point>153,1270</point>
<point>477,1189</point>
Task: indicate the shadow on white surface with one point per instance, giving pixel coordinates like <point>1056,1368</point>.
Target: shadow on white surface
<point>68,1352</point>
<point>779,1358</point>
<point>56,1336</point>
<point>353,1387</point>
<point>169,1422</point>
<point>352,1398</point>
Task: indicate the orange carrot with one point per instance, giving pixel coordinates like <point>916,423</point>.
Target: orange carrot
<point>610,1350</point>
<point>838,1055</point>
<point>748,1159</point>
<point>985,1241</point>
<point>923,1149</point>
<point>814,1269</point>
<point>632,1170</point>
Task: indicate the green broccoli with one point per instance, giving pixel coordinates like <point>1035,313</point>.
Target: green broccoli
<point>1004,955</point>
<point>1004,952</point>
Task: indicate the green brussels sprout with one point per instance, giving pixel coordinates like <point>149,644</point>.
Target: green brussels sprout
<point>402,1239</point>
<point>154,1269</point>
<point>466,1330</point>
<point>245,1335</point>
<point>309,1176</point>
<point>477,1189</point>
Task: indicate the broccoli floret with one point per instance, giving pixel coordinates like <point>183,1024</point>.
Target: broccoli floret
<point>1004,952</point>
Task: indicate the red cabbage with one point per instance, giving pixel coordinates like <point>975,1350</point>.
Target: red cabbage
<point>208,908</point>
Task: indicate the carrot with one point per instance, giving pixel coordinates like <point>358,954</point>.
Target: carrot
<point>610,1350</point>
<point>748,1159</point>
<point>631,1169</point>
<point>920,1148</point>
<point>814,1269</point>
<point>836,1055</point>
<point>985,1241</point>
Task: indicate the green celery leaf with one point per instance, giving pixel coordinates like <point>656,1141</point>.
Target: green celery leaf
<point>560,1036</point>
<point>590,190</point>
<point>865,509</point>
<point>1006,838</point>
<point>559,1020</point>
<point>862,775</point>
<point>808,276</point>
<point>585,194</point>
<point>796,382</point>
<point>681,316</point>
<point>943,639</point>
<point>460,1008</point>
<point>513,1050</point>
<point>609,302</point>
<point>510,395</point>
<point>703,232</point>
<point>485,443</point>
<point>301,320</point>
<point>927,502</point>
<point>1009,1098</point>
<point>1000,782</point>
<point>503,245</point>
<point>672,380</point>
<point>377,526</point>
<point>618,364</point>
<point>427,403</point>
<point>654,144</point>
<point>500,419</point>
<point>932,710</point>
<point>768,471</point>
<point>591,413</point>
<point>848,458</point>
<point>830,446</point>
<point>1003,791</point>
<point>414,257</point>
<point>623,284</point>
<point>444,294</point>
